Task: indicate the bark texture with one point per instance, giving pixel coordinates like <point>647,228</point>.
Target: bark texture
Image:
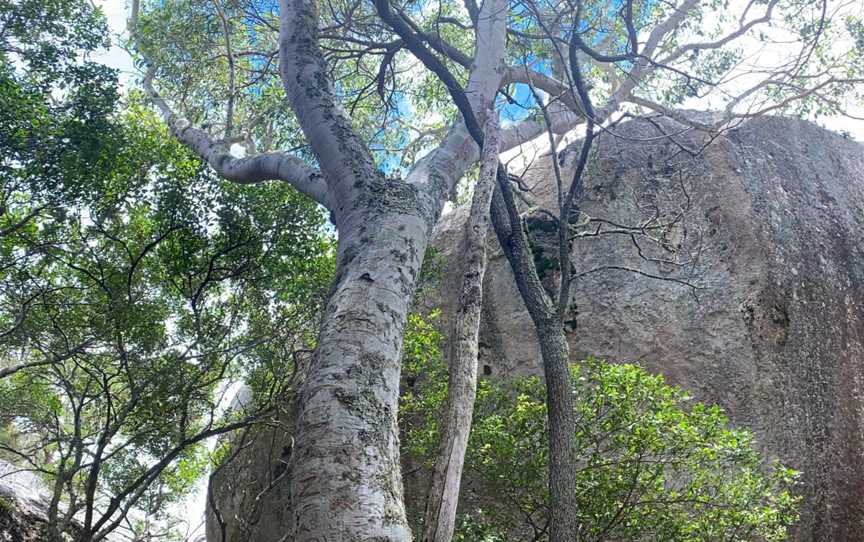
<point>544,314</point>
<point>555,354</point>
<point>345,463</point>
<point>344,479</point>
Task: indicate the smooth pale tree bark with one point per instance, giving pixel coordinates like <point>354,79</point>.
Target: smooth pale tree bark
<point>564,525</point>
<point>345,479</point>
<point>443,497</point>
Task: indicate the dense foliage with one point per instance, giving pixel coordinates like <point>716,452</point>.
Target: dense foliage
<point>653,464</point>
<point>135,286</point>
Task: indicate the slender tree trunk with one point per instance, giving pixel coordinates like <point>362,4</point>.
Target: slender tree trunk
<point>554,349</point>
<point>443,497</point>
<point>58,522</point>
<point>555,352</point>
<point>346,482</point>
<point>54,529</point>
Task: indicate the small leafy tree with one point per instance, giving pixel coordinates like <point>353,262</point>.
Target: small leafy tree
<point>653,464</point>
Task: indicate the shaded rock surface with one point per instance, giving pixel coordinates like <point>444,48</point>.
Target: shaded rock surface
<point>23,505</point>
<point>247,499</point>
<point>773,226</point>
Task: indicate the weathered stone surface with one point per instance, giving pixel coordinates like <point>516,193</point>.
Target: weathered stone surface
<point>773,213</point>
<point>23,505</point>
<point>248,490</point>
<point>246,497</point>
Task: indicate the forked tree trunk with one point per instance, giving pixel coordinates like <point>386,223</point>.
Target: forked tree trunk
<point>443,498</point>
<point>554,349</point>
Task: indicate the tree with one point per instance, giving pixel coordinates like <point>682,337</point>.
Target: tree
<point>443,496</point>
<point>344,474</point>
<point>134,285</point>
<point>140,311</point>
<point>42,136</point>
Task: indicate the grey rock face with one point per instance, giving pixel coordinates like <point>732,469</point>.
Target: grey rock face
<point>247,491</point>
<point>246,497</point>
<point>772,215</point>
<point>23,505</point>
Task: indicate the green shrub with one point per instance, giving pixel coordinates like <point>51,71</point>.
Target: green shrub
<point>653,464</point>
<point>7,506</point>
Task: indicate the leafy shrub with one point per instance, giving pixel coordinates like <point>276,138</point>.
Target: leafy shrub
<point>653,464</point>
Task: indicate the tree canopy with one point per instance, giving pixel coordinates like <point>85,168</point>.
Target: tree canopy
<point>135,286</point>
<point>220,61</point>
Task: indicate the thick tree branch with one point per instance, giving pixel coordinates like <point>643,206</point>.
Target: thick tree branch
<point>344,159</point>
<point>253,169</point>
<point>459,149</point>
<point>443,494</point>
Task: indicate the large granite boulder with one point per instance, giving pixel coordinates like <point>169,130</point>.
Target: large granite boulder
<point>773,221</point>
<point>24,503</point>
